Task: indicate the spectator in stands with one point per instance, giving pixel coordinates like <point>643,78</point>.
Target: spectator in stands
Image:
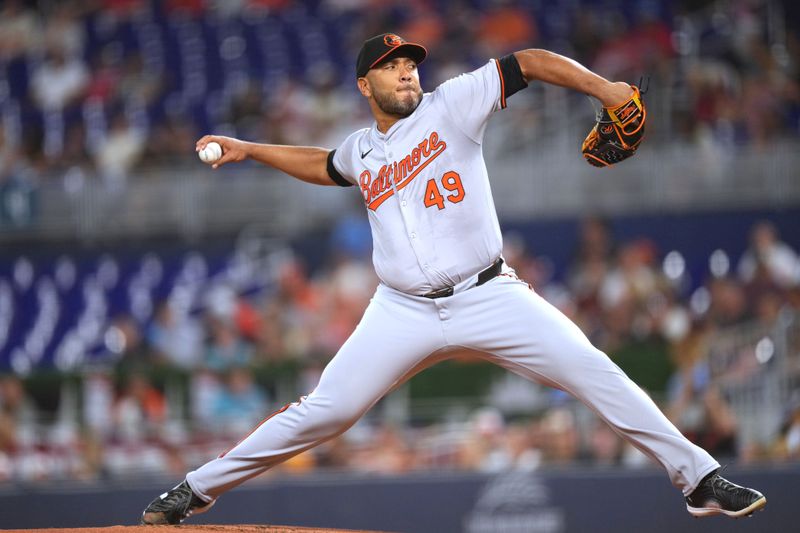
<point>761,91</point>
<point>140,410</point>
<point>594,242</point>
<point>187,8</point>
<point>226,349</point>
<point>120,150</point>
<point>17,413</point>
<point>585,36</point>
<point>269,340</point>
<point>493,446</point>
<point>591,262</point>
<point>424,24</point>
<point>536,270</point>
<point>767,307</point>
<point>124,340</point>
<point>696,404</point>
<point>560,437</point>
<point>328,104</point>
<point>483,447</point>
<point>240,402</point>
<point>246,319</point>
<point>288,117</point>
<point>505,26</point>
<point>121,9</point>
<point>706,418</point>
<point>346,295</point>
<point>386,452</point>
<point>105,75</point>
<point>634,278</point>
<point>633,296</point>
<point>63,29</point>
<point>515,249</point>
<point>626,52</point>
<point>97,399</point>
<point>787,445</point>
<point>59,82</point>
<point>19,30</point>
<point>174,339</point>
<point>139,84</point>
<point>75,159</point>
<point>768,252</point>
<point>19,181</point>
<point>334,454</point>
<point>792,297</point>
<point>9,155</point>
<point>728,302</point>
<point>167,141</point>
<point>689,352</point>
<point>523,454</point>
<point>604,447</point>
<point>246,112</point>
<point>294,309</point>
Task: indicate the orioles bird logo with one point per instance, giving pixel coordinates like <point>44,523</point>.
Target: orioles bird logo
<point>393,40</point>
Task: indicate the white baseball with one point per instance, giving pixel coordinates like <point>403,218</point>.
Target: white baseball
<point>210,153</point>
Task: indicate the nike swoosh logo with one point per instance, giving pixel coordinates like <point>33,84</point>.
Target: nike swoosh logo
<point>365,154</point>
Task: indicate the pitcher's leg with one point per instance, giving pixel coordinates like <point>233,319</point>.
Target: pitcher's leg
<point>390,340</point>
<point>534,339</point>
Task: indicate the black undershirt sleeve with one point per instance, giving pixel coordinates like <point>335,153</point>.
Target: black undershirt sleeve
<point>334,174</point>
<point>513,80</point>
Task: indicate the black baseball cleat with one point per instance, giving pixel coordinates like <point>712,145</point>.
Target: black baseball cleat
<point>174,506</point>
<point>717,495</point>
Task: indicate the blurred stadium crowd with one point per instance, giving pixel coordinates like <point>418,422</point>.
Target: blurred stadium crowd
<point>167,393</point>
<point>112,88</point>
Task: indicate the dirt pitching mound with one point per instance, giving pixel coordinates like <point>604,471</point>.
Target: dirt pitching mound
<point>188,529</point>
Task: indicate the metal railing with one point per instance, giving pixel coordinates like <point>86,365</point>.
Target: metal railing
<point>757,366</point>
<point>545,180</point>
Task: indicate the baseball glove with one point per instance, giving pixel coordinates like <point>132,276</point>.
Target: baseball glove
<point>617,133</point>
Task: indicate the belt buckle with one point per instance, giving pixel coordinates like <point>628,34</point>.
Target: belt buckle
<point>439,293</point>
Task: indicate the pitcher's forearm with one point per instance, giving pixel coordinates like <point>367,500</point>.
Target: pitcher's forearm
<point>556,69</point>
<point>306,163</point>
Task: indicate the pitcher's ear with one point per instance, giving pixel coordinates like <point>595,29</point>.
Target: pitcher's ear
<point>364,87</point>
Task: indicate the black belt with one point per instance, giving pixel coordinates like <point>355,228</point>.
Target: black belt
<point>490,273</point>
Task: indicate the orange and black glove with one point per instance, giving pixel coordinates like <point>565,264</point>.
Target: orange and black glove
<point>617,133</point>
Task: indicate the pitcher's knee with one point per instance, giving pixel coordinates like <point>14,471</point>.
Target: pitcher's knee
<point>344,418</point>
<point>325,419</point>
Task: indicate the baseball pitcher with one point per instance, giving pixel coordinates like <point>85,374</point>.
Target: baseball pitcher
<point>443,281</point>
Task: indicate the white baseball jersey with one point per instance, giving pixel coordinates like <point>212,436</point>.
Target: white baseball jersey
<point>426,187</point>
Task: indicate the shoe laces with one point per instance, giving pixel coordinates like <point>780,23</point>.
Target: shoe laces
<point>719,482</point>
<point>175,497</point>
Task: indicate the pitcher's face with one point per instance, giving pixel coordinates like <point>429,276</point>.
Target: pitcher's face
<point>394,85</point>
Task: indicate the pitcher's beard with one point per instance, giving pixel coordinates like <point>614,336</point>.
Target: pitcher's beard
<point>392,105</point>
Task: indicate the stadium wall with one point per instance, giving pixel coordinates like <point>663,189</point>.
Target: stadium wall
<point>551,501</point>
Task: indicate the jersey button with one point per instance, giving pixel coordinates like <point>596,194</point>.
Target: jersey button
<point>413,235</point>
<point>390,154</point>
<point>403,203</point>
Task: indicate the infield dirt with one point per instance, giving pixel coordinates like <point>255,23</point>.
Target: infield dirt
<point>188,529</point>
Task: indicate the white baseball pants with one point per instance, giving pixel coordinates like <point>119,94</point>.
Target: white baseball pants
<point>400,334</point>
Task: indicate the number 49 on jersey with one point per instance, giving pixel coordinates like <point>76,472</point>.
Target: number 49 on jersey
<point>454,190</point>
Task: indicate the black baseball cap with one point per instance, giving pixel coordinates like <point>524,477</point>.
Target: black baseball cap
<point>384,47</point>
